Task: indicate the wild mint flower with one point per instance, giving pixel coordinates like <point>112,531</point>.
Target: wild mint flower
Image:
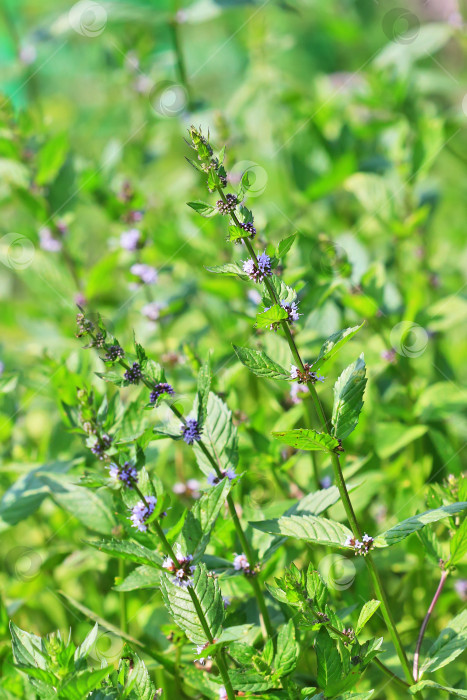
<point>133,374</point>
<point>127,474</point>
<point>141,512</point>
<point>292,314</point>
<point>295,390</point>
<point>326,482</point>
<point>360,548</point>
<point>249,228</point>
<point>181,569</point>
<point>226,602</point>
<point>389,355</point>
<point>84,325</point>
<point>241,563</point>
<point>214,478</point>
<point>190,431</point>
<point>305,376</point>
<point>257,272</point>
<point>199,650</point>
<point>113,353</point>
<point>152,311</point>
<point>48,242</point>
<point>223,693</point>
<point>227,206</point>
<point>129,240</point>
<point>146,273</point>
<point>101,445</point>
<point>160,390</point>
<point>461,588</point>
<point>191,489</point>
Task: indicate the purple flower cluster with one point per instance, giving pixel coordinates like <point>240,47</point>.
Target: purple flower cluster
<point>146,273</point>
<point>127,474</point>
<point>360,548</point>
<point>141,512</point>
<point>113,353</point>
<point>133,374</point>
<point>190,431</point>
<point>241,563</point>
<point>249,228</point>
<point>257,272</point>
<point>101,445</point>
<point>306,376</point>
<point>181,569</point>
<point>129,240</point>
<point>159,390</point>
<point>228,206</point>
<point>292,313</point>
<point>214,479</point>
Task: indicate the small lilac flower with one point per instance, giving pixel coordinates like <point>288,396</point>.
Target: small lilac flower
<point>199,650</point>
<point>228,206</point>
<point>159,390</point>
<point>325,482</point>
<point>152,311</point>
<point>257,272</point>
<point>101,445</point>
<point>461,588</point>
<point>181,570</point>
<point>133,374</point>
<point>294,372</point>
<point>223,693</point>
<point>80,299</point>
<point>191,489</point>
<point>146,273</point>
<point>226,602</point>
<point>292,310</point>
<point>214,478</point>
<point>190,431</point>
<point>48,242</point>
<point>127,474</point>
<point>129,240</point>
<point>361,548</point>
<point>241,563</point>
<point>141,512</point>
<point>389,355</point>
<point>113,353</point>
<point>295,390</point>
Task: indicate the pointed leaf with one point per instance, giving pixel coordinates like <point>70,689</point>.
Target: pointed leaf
<point>334,343</point>
<point>422,685</point>
<point>305,439</point>
<point>181,607</point>
<point>206,210</point>
<point>308,528</point>
<point>451,642</point>
<point>405,528</point>
<point>260,364</point>
<point>271,316</point>
<point>201,519</point>
<point>348,398</point>
<point>219,435</point>
<point>366,612</point>
<point>288,650</point>
<point>131,551</point>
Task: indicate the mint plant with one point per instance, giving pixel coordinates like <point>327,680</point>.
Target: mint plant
<point>297,641</point>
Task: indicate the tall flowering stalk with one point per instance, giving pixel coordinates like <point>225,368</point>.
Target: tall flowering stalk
<point>259,268</point>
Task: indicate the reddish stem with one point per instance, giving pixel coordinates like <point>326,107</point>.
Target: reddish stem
<point>416,657</point>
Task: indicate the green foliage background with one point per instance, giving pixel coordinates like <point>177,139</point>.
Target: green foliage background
<point>357,136</point>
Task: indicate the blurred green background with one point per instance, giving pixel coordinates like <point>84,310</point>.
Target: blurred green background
<point>351,117</point>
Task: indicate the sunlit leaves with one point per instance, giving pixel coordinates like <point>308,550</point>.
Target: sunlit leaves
<point>399,532</point>
<point>260,364</point>
<point>348,398</point>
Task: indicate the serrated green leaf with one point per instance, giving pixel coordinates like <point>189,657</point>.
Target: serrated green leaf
<point>141,577</point>
<point>201,519</point>
<point>348,398</point>
<point>85,647</point>
<point>366,613</point>
<point>285,245</point>
<point>334,343</point>
<point>131,551</point>
<point>288,650</point>
<point>458,544</point>
<point>405,528</point>
<point>79,686</point>
<point>181,607</point>
<point>228,269</point>
<point>271,316</point>
<point>28,649</point>
<point>451,642</point>
<point>219,435</point>
<point>282,290</point>
<point>330,667</point>
<point>203,388</point>
<point>308,528</point>
<point>136,679</point>
<point>260,364</point>
<point>236,233</point>
<point>422,685</point>
<point>204,209</point>
<point>306,439</point>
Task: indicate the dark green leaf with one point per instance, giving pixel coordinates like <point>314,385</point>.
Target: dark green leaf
<point>260,364</point>
<point>348,398</point>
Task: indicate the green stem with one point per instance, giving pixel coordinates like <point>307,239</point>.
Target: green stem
<point>123,606</point>
<point>166,546</point>
<point>182,74</point>
<point>375,577</point>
